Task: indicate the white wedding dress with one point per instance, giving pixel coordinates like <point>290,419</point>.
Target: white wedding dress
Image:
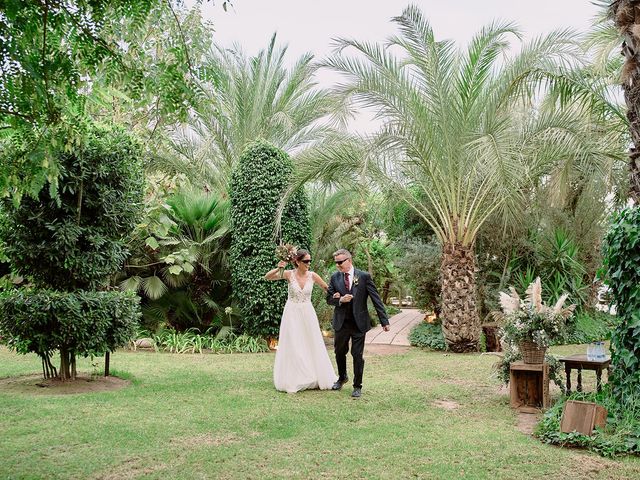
<point>302,361</point>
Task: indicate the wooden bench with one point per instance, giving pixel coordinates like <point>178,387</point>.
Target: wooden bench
<point>582,362</point>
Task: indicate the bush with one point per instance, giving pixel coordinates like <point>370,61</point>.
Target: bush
<point>76,323</point>
<point>180,258</point>
<point>622,260</point>
<point>258,184</point>
<point>73,241</point>
<point>620,436</point>
<point>193,341</point>
<point>421,269</point>
<point>428,335</point>
<point>76,239</point>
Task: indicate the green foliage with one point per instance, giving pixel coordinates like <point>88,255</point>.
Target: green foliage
<point>420,267</point>
<point>192,341</point>
<point>587,327</point>
<point>83,322</point>
<point>249,98</point>
<point>76,239</point>
<point>622,261</point>
<point>67,62</point>
<point>620,436</point>
<point>180,256</point>
<point>257,185</point>
<point>428,335</point>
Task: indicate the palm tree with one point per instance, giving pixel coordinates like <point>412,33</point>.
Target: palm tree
<point>467,130</point>
<point>250,98</point>
<point>628,24</point>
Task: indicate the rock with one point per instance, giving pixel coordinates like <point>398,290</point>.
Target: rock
<point>144,343</point>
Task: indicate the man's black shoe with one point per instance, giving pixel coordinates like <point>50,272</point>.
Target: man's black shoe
<point>357,392</point>
<point>339,383</point>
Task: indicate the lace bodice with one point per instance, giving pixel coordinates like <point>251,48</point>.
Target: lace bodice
<point>297,294</point>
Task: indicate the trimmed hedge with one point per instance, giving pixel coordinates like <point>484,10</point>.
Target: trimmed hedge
<point>82,322</point>
<point>258,184</point>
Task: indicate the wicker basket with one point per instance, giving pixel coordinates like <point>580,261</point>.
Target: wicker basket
<point>531,352</point>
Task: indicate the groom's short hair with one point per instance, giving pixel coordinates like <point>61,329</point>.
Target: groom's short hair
<point>342,251</point>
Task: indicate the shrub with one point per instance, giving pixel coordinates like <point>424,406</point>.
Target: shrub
<point>76,323</point>
<point>180,259</point>
<point>620,436</point>
<point>428,335</point>
<point>622,260</point>
<point>420,267</point>
<point>73,242</point>
<point>258,183</point>
<point>76,239</point>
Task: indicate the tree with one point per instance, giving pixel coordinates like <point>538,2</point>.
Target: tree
<point>626,16</point>
<point>250,97</point>
<point>258,182</point>
<point>461,129</point>
<point>61,58</point>
<point>69,245</point>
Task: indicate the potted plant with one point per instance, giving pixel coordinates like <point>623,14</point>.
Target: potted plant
<point>530,325</point>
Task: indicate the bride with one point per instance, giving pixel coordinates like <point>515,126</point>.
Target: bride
<point>302,361</point>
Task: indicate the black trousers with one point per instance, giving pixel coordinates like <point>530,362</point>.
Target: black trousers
<point>349,331</point>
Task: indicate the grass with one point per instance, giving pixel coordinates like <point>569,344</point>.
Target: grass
<point>218,416</point>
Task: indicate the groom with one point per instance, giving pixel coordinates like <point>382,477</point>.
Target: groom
<point>348,292</point>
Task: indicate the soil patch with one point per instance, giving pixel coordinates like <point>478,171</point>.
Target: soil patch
<point>447,404</point>
<point>527,422</point>
<point>36,385</point>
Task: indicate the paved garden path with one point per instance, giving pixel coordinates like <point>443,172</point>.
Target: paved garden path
<point>401,324</point>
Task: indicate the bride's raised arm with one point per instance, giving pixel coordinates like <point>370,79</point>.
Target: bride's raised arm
<point>278,273</point>
<point>319,281</point>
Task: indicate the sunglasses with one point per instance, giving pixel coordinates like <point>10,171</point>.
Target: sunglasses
<point>340,262</point>
<point>306,261</point>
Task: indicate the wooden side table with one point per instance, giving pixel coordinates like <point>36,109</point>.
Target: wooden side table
<point>581,362</point>
<point>529,386</point>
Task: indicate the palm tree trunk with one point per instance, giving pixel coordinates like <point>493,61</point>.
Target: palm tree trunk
<point>626,14</point>
<point>460,320</point>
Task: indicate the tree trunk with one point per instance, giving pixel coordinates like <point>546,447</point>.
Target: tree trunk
<point>460,320</point>
<point>65,364</point>
<point>626,14</point>
<point>386,289</point>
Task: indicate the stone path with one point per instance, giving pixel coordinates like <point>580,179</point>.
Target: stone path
<point>401,324</point>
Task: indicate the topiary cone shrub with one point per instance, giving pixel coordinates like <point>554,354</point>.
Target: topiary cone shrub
<point>258,183</point>
<point>68,243</point>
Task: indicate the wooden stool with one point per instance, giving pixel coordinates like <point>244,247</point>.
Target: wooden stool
<point>529,386</point>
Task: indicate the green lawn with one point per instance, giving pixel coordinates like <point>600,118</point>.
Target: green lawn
<point>218,416</point>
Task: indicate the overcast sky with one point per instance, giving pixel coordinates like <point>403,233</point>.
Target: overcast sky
<point>310,25</point>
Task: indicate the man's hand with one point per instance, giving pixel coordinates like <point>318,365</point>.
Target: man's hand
<point>346,298</point>
<point>336,295</point>
<point>386,328</point>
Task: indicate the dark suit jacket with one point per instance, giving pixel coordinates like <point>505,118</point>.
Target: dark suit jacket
<point>362,286</point>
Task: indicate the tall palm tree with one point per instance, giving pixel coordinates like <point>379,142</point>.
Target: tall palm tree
<point>250,98</point>
<point>465,129</point>
<point>626,15</point>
